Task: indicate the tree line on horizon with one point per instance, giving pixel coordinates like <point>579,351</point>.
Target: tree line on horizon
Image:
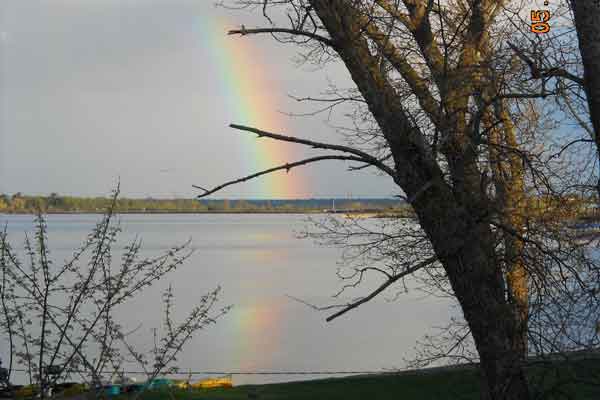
<point>55,203</point>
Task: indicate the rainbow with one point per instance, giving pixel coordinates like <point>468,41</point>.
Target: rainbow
<point>249,98</point>
<point>259,340</point>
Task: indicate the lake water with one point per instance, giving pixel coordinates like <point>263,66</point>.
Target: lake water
<point>258,260</point>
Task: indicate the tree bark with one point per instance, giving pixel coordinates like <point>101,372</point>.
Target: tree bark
<point>464,245</point>
<point>587,15</point>
<point>507,171</point>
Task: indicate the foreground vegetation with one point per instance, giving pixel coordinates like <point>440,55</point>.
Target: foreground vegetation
<point>576,380</point>
<point>58,318</point>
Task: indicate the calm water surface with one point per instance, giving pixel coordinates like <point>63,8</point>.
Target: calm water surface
<point>258,261</point>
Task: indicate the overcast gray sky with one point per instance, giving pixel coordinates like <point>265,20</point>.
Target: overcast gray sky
<point>93,90</point>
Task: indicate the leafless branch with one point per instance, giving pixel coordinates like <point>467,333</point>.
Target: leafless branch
<point>539,73</point>
<point>381,288</point>
<point>287,167</point>
<point>365,157</point>
<point>296,32</point>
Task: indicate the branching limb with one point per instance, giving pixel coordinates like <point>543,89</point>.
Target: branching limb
<point>541,73</point>
<point>419,25</point>
<point>336,99</point>
<point>358,168</point>
<point>416,82</point>
<point>296,32</point>
<point>286,167</point>
<point>364,157</point>
<point>381,288</point>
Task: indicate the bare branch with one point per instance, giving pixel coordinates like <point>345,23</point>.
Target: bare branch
<point>540,73</point>
<point>286,167</point>
<point>296,32</point>
<point>384,286</point>
<point>315,307</point>
<point>364,157</point>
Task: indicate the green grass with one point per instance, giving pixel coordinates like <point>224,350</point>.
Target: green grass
<point>459,384</point>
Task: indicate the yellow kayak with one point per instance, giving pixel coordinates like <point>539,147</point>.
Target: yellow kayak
<point>221,382</point>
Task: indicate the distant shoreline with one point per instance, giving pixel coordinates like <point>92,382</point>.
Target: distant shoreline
<point>353,213</point>
<point>56,204</point>
<point>46,212</point>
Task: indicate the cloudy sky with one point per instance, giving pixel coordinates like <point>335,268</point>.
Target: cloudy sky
<point>143,90</point>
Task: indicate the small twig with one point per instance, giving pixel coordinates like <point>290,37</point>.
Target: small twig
<point>264,10</point>
<point>313,306</point>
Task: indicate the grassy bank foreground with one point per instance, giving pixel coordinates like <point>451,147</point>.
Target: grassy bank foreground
<point>576,380</point>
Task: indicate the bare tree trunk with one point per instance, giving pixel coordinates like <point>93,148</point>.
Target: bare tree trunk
<point>507,170</point>
<point>587,15</point>
<point>465,247</point>
<point>456,219</point>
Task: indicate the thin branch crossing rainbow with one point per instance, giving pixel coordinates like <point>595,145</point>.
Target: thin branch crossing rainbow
<point>250,95</point>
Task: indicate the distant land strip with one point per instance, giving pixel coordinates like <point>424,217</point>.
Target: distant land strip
<point>19,203</point>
